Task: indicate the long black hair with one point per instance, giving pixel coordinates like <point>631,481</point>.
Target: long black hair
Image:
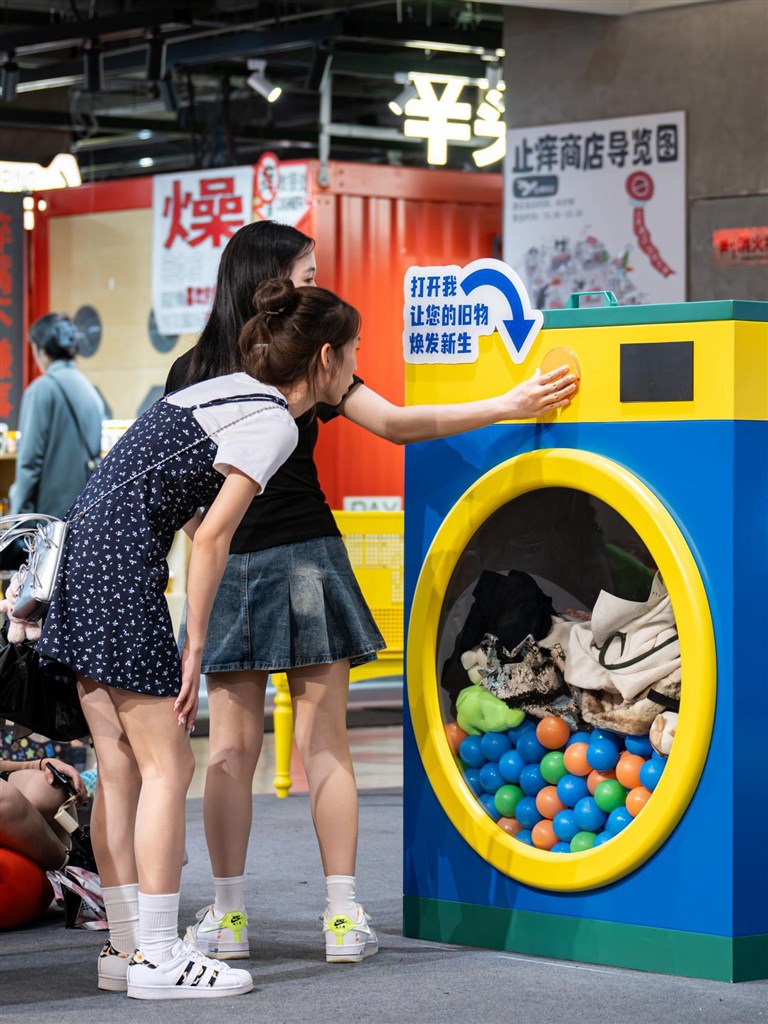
<point>257,252</point>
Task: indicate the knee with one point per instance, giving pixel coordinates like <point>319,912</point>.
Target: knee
<point>234,757</point>
<point>176,771</point>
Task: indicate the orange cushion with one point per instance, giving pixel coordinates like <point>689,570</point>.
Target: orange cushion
<point>25,892</point>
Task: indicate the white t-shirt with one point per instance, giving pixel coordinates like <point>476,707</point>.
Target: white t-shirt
<point>257,445</point>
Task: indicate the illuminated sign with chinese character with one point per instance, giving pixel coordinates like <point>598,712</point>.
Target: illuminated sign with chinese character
<point>448,309</point>
<point>11,309</point>
<point>743,246</point>
<point>438,115</point>
<point>62,172</point>
<point>194,216</point>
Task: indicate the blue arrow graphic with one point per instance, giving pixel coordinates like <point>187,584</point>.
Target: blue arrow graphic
<point>521,325</point>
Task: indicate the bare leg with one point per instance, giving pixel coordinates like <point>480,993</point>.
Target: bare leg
<point>236,702</point>
<point>319,694</point>
<point>117,794</point>
<point>166,764</point>
<point>24,829</point>
<point>45,798</point>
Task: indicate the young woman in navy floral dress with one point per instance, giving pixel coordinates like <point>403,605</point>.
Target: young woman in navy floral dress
<point>212,445</point>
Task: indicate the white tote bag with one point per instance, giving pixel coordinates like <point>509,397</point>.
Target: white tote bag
<point>627,646</point>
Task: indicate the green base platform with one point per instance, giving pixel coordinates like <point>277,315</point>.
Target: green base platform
<point>691,954</point>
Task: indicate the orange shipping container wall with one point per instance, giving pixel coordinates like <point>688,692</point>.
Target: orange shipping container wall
<point>371,223</point>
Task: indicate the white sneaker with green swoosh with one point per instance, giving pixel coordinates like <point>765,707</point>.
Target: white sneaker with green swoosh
<point>225,938</point>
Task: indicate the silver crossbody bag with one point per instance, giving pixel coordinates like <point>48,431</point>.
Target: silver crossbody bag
<point>44,537</point>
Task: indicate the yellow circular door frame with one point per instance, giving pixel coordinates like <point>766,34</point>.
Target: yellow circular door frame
<point>617,487</point>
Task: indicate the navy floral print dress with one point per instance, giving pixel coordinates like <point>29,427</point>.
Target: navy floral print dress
<point>108,619</point>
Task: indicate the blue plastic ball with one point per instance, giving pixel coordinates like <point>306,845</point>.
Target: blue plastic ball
<point>579,737</point>
<point>602,755</point>
<point>527,813</point>
<point>604,837</point>
<point>472,779</point>
<point>529,748</point>
<point>565,826</point>
<point>651,772</point>
<point>471,753</point>
<point>638,745</point>
<point>571,789</point>
<point>618,820</point>
<point>524,836</point>
<point>494,744</point>
<point>607,734</point>
<point>560,847</point>
<point>491,778</point>
<point>531,780</point>
<point>513,735</point>
<point>588,815</point>
<point>486,802</point>
<point>510,766</point>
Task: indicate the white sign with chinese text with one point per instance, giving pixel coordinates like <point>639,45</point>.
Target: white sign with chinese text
<point>448,309</point>
<point>598,206</point>
<point>193,217</point>
<point>282,190</point>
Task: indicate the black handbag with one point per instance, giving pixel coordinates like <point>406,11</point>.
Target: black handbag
<point>38,694</point>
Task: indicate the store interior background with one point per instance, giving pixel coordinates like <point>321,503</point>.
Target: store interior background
<point>383,209</point>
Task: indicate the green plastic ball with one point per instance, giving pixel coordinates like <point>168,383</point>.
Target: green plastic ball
<point>506,800</point>
<point>553,767</point>
<point>609,795</point>
<point>583,841</point>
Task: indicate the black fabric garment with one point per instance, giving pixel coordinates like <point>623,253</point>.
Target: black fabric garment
<point>293,507</point>
<point>510,606</point>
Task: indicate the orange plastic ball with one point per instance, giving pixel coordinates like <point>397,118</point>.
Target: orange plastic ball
<point>552,732</point>
<point>510,825</point>
<point>25,892</point>
<point>548,804</point>
<point>454,735</point>
<point>628,770</point>
<point>575,759</point>
<point>543,835</point>
<point>636,800</point>
<point>596,777</point>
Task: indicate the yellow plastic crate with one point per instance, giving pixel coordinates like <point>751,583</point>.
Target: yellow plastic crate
<point>374,541</point>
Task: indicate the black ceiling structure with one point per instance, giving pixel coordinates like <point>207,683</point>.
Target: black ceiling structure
<point>133,87</point>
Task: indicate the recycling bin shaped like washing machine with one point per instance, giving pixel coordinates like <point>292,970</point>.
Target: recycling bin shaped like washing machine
<point>660,462</point>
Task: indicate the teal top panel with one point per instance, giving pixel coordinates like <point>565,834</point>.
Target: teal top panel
<point>663,313</point>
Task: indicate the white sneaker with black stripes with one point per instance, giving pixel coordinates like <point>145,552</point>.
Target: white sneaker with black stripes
<point>189,975</point>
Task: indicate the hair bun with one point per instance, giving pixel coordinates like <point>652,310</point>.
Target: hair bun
<point>276,296</point>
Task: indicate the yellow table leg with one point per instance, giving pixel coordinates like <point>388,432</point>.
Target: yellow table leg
<point>283,725</point>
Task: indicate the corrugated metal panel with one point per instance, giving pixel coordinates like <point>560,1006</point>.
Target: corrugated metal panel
<point>371,224</point>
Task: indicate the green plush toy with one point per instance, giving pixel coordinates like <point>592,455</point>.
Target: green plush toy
<point>478,711</point>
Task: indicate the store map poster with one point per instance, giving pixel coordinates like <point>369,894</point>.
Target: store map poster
<point>194,215</point>
<point>598,206</point>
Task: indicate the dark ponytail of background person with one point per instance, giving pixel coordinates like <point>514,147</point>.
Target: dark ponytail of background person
<point>282,342</point>
<point>55,335</point>
<point>257,252</point>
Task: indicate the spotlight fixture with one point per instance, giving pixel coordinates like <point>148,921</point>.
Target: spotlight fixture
<point>93,68</point>
<point>9,79</point>
<point>397,105</point>
<point>319,68</point>
<point>167,92</point>
<point>259,82</point>
<point>156,50</point>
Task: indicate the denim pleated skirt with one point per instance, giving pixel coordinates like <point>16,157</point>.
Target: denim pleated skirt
<point>289,606</point>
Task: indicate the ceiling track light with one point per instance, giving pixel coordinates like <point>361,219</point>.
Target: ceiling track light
<point>259,82</point>
<point>93,66</point>
<point>9,79</point>
<point>156,52</point>
<point>397,105</point>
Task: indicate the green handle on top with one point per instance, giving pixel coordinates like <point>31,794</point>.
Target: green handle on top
<point>573,299</point>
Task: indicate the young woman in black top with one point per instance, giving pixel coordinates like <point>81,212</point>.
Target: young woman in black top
<point>289,602</point>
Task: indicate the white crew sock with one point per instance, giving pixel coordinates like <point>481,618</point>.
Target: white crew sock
<point>230,895</point>
<point>158,926</point>
<point>340,895</point>
<point>122,905</point>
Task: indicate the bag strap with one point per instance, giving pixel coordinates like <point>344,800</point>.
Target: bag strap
<point>269,399</point>
<point>632,661</point>
<point>17,529</point>
<point>93,456</point>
